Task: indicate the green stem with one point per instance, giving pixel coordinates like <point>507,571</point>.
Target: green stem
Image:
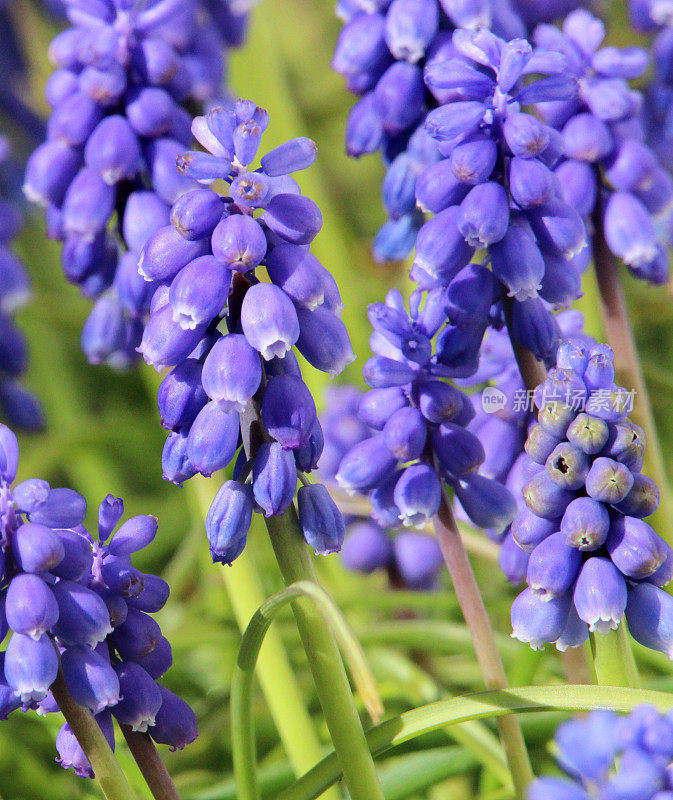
<point>614,663</point>
<point>325,663</point>
<point>242,723</point>
<point>152,767</point>
<point>91,739</point>
<point>279,685</point>
<point>619,334</point>
<point>485,647</point>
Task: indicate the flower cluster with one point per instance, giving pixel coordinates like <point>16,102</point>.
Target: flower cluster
<point>607,169</point>
<point>125,72</point>
<point>504,414</point>
<point>76,603</point>
<point>592,555</point>
<point>382,52</point>
<point>420,420</point>
<point>229,335</point>
<point>611,756</point>
<point>412,559</point>
<point>19,407</point>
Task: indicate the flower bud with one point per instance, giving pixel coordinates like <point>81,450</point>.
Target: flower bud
<point>513,561</point>
<point>88,204</point>
<point>642,500</point>
<point>113,150</point>
<point>553,567</point>
<point>567,466</point>
<point>585,524</point>
<point>90,679</point>
<point>36,547</point>
<point>486,502</point>
<point>528,530</point>
<point>196,213</point>
<point>649,613</point>
<point>137,636</point>
<point>539,621</point>
<point>212,439</point>
<point>83,616</point>
<point>157,662</point>
<point>458,450</point>
<point>629,229</point>
<point>166,252</point>
<point>635,547</point>
<point>526,136</point>
<point>274,478</point>
<point>418,559</point>
<point>30,607</point>
<point>133,535</point>
<point>600,595</point>
<point>588,433</point>
<point>298,273</point>
<point>441,249</point>
<point>31,666</point>
<point>164,342</point>
<point>288,410</point>
<point>175,462</point>
<point>417,494</point>
<point>269,320</point>
<point>323,340</point>
<point>291,156</point>
<point>175,722</point>
<point>608,480</point>
<point>199,292</point>
<point>141,697</point>
<point>181,395</point>
<point>228,521</point>
<point>153,595</point>
<point>376,406</point>
<point>366,465</point>
<point>405,434</point>
<point>320,519</point>
<point>540,444</point>
<point>484,215</point>
<point>49,172</point>
<point>293,217</point>
<point>518,263</point>
<point>546,498</point>
<point>9,457</point>
<point>439,402</point>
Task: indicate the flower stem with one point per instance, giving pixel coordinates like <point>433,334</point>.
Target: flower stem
<point>619,334</point>
<point>325,662</point>
<point>273,670</point>
<point>91,739</point>
<point>614,663</point>
<point>479,625</point>
<point>152,767</point>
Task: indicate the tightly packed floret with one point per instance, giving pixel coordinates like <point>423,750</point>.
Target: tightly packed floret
<point>229,334</point>
<point>608,171</point>
<point>411,558</point>
<point>607,755</point>
<point>126,71</point>
<point>19,407</point>
<point>593,558</point>
<point>504,414</point>
<point>383,51</point>
<point>75,603</point>
<point>421,422</point>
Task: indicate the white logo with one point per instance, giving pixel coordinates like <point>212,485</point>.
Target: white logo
<point>493,400</point>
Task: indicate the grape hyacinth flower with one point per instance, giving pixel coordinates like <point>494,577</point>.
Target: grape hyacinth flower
<point>411,558</point>
<point>421,422</point>
<point>604,754</point>
<point>592,556</point>
<point>607,169</point>
<point>125,75</point>
<point>19,406</point>
<point>384,51</point>
<point>228,334</point>
<point>504,415</point>
<point>76,603</point>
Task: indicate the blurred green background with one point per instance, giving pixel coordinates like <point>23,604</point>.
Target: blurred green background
<point>103,436</point>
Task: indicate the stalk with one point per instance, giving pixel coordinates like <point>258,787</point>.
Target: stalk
<point>325,662</point>
<point>479,624</point>
<point>329,675</point>
<point>620,337</point>
<point>614,663</point>
<point>91,739</point>
<point>152,767</point>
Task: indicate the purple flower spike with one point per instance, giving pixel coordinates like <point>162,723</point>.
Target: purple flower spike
<point>288,410</point>
<point>274,478</point>
<point>228,521</point>
<point>91,680</point>
<point>141,697</point>
<point>175,722</point>
<point>320,519</point>
<point>30,606</point>
<point>30,666</point>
